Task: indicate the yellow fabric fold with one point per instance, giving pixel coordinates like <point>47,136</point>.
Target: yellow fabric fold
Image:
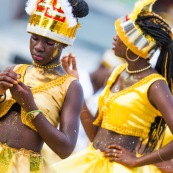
<point>91,160</point>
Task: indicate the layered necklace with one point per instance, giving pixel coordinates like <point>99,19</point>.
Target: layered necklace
<point>52,66</point>
<point>137,71</point>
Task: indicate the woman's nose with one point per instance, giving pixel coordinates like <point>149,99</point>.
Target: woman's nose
<point>115,38</point>
<point>40,46</point>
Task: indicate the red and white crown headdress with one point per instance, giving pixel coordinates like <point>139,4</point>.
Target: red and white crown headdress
<point>53,19</point>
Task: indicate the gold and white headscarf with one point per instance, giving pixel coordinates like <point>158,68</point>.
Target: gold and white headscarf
<point>131,35</point>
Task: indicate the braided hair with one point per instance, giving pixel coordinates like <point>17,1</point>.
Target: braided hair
<point>80,8</point>
<point>154,26</point>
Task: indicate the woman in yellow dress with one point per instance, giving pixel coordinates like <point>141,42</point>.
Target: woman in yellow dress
<point>37,97</point>
<point>136,102</point>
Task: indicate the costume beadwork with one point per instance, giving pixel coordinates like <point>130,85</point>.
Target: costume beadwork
<point>115,111</point>
<point>43,91</point>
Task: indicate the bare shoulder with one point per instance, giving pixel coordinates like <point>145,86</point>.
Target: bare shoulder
<point>159,92</point>
<point>159,87</point>
<point>75,83</point>
<point>75,87</point>
<point>75,97</point>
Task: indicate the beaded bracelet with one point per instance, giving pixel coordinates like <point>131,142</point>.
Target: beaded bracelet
<point>4,94</point>
<point>33,114</point>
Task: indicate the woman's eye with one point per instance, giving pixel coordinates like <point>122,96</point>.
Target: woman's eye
<point>34,38</point>
<point>51,43</point>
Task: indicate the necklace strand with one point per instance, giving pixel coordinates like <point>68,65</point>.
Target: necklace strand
<point>137,71</point>
<point>49,66</point>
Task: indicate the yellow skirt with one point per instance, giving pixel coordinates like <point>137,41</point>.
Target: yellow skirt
<point>21,161</point>
<point>91,160</point>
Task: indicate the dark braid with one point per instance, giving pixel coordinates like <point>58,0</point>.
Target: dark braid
<point>156,28</point>
<point>80,8</point>
<point>156,130</point>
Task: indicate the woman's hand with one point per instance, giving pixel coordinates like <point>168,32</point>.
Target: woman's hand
<point>69,65</point>
<point>8,78</point>
<point>118,154</point>
<point>23,95</point>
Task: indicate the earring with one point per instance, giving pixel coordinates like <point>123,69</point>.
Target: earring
<point>132,60</point>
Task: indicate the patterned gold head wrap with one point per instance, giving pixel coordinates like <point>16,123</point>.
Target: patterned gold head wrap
<point>52,19</point>
<point>131,34</point>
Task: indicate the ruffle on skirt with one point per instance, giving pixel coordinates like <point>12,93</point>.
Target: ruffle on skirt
<point>91,160</point>
<point>20,161</point>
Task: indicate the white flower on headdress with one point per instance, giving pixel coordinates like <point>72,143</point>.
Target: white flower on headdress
<point>67,8</point>
<point>65,5</point>
<point>30,5</point>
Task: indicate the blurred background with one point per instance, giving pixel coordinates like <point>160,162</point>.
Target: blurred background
<point>93,38</point>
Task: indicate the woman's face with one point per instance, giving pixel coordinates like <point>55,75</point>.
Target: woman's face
<point>118,47</point>
<point>44,50</point>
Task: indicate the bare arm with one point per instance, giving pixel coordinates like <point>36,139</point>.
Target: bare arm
<point>87,121</point>
<point>69,64</point>
<point>87,118</point>
<point>161,97</point>
<point>61,141</point>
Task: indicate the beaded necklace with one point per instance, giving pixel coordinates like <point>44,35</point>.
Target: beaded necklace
<point>47,67</point>
<point>137,71</point>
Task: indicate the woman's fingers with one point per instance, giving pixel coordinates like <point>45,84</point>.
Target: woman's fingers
<point>73,62</point>
<point>112,152</point>
<point>20,87</point>
<point>9,76</point>
<point>121,155</point>
<point>16,89</point>
<point>69,59</point>
<point>69,64</point>
<point>115,146</point>
<point>64,60</point>
<point>6,79</point>
<point>65,63</point>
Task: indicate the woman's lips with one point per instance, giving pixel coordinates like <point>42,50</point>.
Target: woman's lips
<point>37,57</point>
<point>113,46</point>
